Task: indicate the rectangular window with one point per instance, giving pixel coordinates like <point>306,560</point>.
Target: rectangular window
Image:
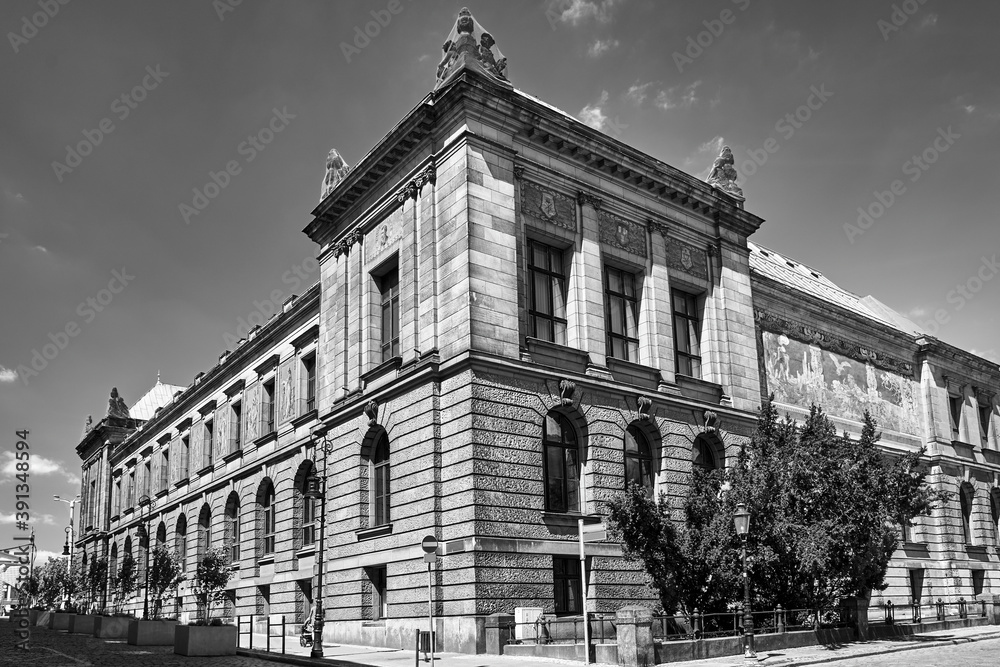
<point>955,403</point>
<point>985,417</point>
<point>146,479</point>
<point>209,436</point>
<point>165,469</point>
<point>118,497</point>
<point>185,461</point>
<point>546,293</point>
<point>130,497</point>
<point>309,371</point>
<point>389,289</point>
<point>308,522</point>
<point>687,334</point>
<point>235,423</point>
<point>978,577</point>
<point>92,504</point>
<point>267,408</point>
<point>621,312</point>
<point>380,602</point>
<point>566,581</point>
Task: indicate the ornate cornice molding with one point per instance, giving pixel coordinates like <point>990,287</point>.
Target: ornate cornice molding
<point>587,198</point>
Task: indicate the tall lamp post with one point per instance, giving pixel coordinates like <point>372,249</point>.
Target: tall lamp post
<point>316,490</point>
<point>148,502</point>
<point>741,517</point>
<point>68,548</point>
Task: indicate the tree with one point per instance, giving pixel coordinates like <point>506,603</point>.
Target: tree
<point>51,582</point>
<point>164,577</point>
<point>93,581</point>
<point>210,580</point>
<point>125,581</point>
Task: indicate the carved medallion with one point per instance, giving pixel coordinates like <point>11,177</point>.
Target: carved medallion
<point>548,205</point>
<point>686,261</point>
<point>621,233</point>
<point>685,257</point>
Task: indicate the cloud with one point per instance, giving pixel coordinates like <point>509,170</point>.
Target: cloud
<point>42,248</point>
<point>7,374</point>
<point>39,465</point>
<point>929,21</point>
<point>918,311</point>
<point>46,519</point>
<point>602,46</point>
<point>42,556</point>
<point>575,12</point>
<point>593,114</point>
<point>677,97</point>
<point>637,92</point>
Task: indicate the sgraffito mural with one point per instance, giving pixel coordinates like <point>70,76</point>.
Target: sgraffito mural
<point>802,374</point>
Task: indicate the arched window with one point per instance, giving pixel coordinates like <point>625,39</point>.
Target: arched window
<point>204,532</point>
<point>995,515</point>
<point>967,496</point>
<point>562,464</point>
<point>708,454</point>
<point>267,526</point>
<point>113,567</point>
<point>232,535</point>
<point>380,481</point>
<point>638,459</point>
<point>307,524</point>
<point>143,541</point>
<point>161,534</point>
<point>180,541</point>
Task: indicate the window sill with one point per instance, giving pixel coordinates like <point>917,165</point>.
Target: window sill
<point>162,492</point>
<point>130,510</point>
<point>234,567</point>
<point>305,552</point>
<point>632,373</point>
<point>114,517</point>
<point>181,482</point>
<point>382,369</point>
<point>266,438</point>
<point>207,469</point>
<point>266,560</point>
<point>371,533</point>
<point>698,389</point>
<point>304,418</point>
<point>233,455</point>
<point>976,550</point>
<point>557,356</point>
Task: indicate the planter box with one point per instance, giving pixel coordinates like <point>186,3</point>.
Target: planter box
<point>151,633</point>
<point>205,640</point>
<point>82,623</point>
<point>112,627</point>
<point>33,615</point>
<point>60,621</point>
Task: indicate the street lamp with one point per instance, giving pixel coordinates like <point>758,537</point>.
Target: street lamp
<point>68,547</point>
<point>315,489</point>
<point>741,517</point>
<point>148,502</point>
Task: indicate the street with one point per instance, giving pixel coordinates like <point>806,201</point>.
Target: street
<point>983,653</point>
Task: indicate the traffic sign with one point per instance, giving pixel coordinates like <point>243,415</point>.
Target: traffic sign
<point>429,544</point>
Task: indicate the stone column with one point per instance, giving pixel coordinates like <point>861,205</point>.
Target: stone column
<point>498,628</point>
<point>635,637</point>
<point>857,608</point>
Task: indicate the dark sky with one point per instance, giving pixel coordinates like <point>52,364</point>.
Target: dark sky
<point>626,66</point>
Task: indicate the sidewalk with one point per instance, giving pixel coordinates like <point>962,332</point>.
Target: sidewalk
<point>352,656</point>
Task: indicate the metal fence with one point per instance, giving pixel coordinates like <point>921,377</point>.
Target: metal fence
<point>565,630</point>
<point>890,613</point>
<point>699,625</point>
<point>277,642</point>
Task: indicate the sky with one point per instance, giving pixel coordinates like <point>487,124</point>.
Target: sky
<point>863,132</point>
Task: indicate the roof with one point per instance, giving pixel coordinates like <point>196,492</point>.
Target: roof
<point>796,275</point>
<point>157,397</point>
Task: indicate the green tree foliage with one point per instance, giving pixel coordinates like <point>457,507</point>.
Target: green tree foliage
<point>210,580</point>
<point>93,582</point>
<point>164,577</point>
<point>124,582</point>
<point>825,510</point>
<point>50,582</point>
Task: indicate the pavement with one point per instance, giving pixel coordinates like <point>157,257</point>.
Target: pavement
<point>52,648</point>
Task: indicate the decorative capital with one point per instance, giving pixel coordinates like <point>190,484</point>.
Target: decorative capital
<point>518,171</point>
<point>371,411</point>
<point>587,198</point>
<point>426,176</point>
<point>660,227</point>
<point>645,404</point>
<point>566,391</point>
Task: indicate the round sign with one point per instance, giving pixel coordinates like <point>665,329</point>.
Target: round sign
<point>429,544</point>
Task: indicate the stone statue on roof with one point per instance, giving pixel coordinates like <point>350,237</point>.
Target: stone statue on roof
<point>468,43</point>
<point>116,405</point>
<point>724,174</point>
<point>336,170</point>
<point>89,425</point>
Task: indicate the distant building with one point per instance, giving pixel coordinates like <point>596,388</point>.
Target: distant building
<point>517,314</point>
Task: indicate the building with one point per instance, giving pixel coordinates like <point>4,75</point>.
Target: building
<point>516,315</point>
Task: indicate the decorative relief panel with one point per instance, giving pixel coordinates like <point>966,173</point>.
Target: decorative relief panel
<point>621,233</point>
<point>385,236</point>
<point>548,206</point>
<point>687,258</point>
<point>286,390</point>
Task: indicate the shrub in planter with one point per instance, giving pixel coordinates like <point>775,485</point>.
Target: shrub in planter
<point>207,635</point>
<point>111,627</point>
<point>151,633</point>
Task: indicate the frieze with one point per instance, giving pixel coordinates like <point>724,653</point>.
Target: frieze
<point>687,258</point>
<point>548,206</point>
<point>621,233</point>
<point>778,325</point>
<point>385,235</point>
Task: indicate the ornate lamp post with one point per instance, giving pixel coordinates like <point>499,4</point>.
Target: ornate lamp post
<point>316,490</point>
<point>148,502</point>
<point>741,517</point>
<point>68,547</point>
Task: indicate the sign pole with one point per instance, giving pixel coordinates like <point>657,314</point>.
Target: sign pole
<point>583,596</point>
<point>430,610</point>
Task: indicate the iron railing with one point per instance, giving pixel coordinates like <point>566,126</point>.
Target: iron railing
<point>267,641</point>
<point>892,613</point>
<point>700,625</point>
<point>565,629</point>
